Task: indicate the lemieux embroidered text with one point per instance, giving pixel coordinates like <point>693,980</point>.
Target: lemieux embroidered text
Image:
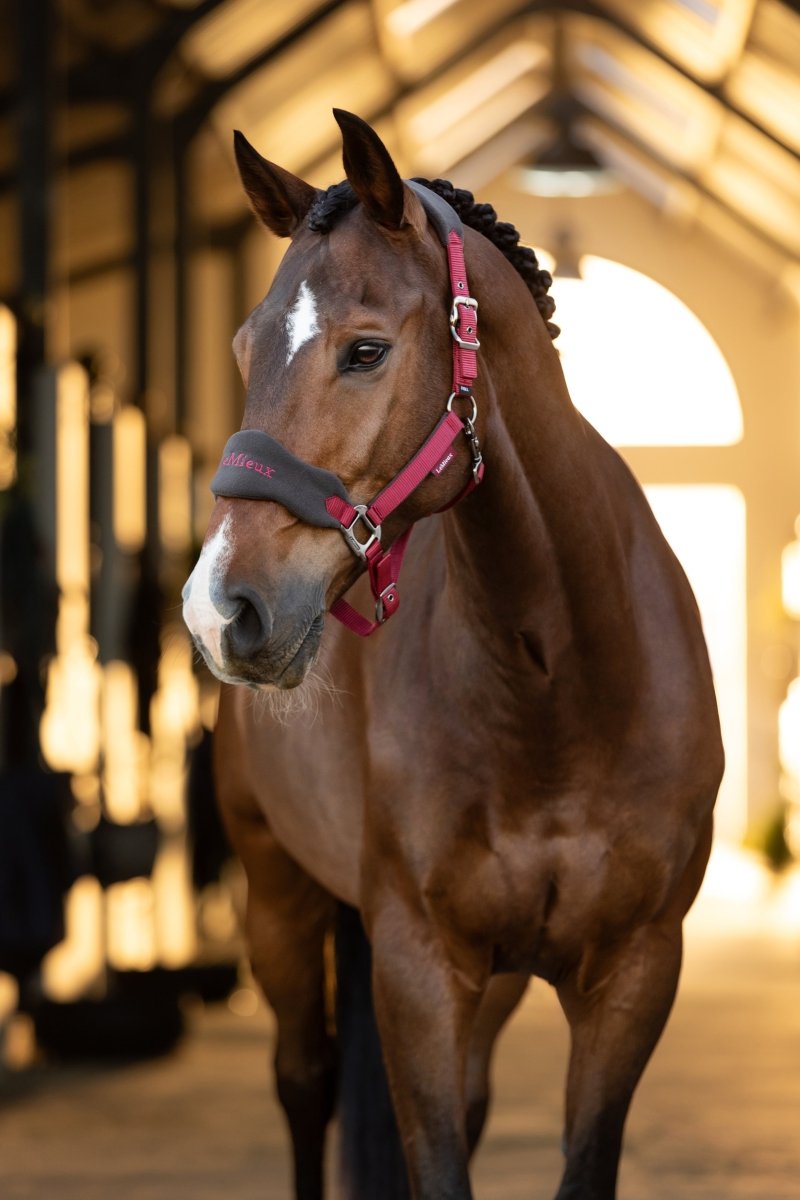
<point>249,464</point>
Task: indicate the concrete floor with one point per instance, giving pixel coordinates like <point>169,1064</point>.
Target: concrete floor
<point>717,1116</point>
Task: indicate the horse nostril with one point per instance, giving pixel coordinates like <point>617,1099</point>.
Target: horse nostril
<point>250,627</point>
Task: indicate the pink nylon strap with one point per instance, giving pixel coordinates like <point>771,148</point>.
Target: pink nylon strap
<point>465,360</point>
<point>384,566</point>
<point>475,479</point>
<point>428,457</point>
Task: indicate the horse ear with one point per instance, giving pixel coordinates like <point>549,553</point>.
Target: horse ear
<point>373,175</point>
<point>279,199</point>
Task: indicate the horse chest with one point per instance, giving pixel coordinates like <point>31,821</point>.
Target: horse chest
<point>534,890</point>
<point>311,793</point>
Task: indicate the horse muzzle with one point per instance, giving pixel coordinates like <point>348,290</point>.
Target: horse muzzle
<point>261,661</point>
<point>243,640</point>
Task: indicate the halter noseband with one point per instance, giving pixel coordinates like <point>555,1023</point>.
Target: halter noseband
<point>255,466</point>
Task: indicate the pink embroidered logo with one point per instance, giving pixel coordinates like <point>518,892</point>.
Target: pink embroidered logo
<point>249,464</point>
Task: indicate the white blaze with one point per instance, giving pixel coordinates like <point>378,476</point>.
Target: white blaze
<point>301,320</point>
<point>203,618</point>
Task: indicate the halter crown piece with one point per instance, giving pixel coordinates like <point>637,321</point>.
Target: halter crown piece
<point>255,466</point>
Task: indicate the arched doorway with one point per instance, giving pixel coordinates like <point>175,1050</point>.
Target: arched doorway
<point>645,371</point>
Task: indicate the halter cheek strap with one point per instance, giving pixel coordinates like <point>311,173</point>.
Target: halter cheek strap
<point>255,466</point>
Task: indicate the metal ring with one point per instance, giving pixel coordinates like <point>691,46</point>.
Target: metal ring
<point>461,396</point>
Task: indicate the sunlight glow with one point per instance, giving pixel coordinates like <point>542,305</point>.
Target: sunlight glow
<point>789,732</point>
<point>790,576</point>
<point>69,731</point>
<point>409,18</point>
<point>9,996</point>
<point>705,525</point>
<point>130,499</point>
<point>130,916</point>
<point>174,494</point>
<point>77,962</point>
<point>174,914</point>
<point>175,722</point>
<point>8,397</point>
<point>72,479</point>
<point>639,364</point>
<point>645,371</point>
<point>742,896</point>
<point>125,746</point>
<point>466,97</point>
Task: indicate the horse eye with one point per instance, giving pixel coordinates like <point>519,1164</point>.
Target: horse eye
<point>366,355</point>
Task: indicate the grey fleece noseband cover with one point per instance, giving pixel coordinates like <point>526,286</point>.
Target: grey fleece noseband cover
<point>256,467</point>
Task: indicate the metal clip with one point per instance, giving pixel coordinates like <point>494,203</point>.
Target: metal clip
<point>360,548</point>
<point>475,447</point>
<point>455,317</point>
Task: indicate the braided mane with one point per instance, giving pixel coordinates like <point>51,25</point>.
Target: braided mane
<point>340,199</point>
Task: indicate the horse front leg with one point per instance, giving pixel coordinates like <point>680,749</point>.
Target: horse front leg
<point>616,1014</point>
<point>501,997</point>
<point>288,916</point>
<point>617,1002</point>
<point>426,1002</point>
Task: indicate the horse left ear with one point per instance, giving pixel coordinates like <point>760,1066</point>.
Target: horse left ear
<point>373,176</point>
<point>279,199</point>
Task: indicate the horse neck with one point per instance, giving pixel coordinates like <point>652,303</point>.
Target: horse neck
<point>537,552</point>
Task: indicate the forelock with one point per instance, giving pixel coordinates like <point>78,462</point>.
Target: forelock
<point>329,206</point>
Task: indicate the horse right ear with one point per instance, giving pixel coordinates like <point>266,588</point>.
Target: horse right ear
<point>279,199</point>
<point>374,178</point>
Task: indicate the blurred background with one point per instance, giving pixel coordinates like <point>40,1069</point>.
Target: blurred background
<point>648,149</point>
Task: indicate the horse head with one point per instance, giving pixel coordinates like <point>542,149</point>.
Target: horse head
<point>346,364</point>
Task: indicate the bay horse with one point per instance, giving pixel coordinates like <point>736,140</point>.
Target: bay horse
<point>515,776</point>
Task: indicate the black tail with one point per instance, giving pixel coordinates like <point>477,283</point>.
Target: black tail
<point>372,1163</point>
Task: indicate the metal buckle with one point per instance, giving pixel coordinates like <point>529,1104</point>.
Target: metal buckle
<point>360,548</point>
<point>385,594</point>
<point>455,317</point>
